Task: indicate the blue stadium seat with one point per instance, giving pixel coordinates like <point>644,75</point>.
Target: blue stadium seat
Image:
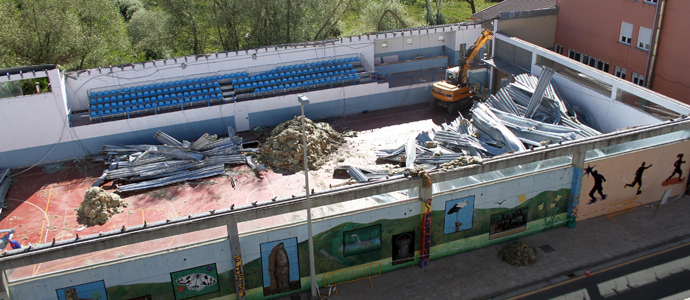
<point>270,76</point>
<point>93,101</point>
<point>135,108</point>
<point>138,89</point>
<point>196,81</point>
<point>292,86</point>
<point>118,91</point>
<point>192,93</point>
<point>128,109</point>
<point>257,90</point>
<point>174,103</point>
<point>321,81</point>
<point>166,97</point>
<point>100,113</point>
<point>164,85</point>
<point>204,91</point>
<point>177,90</point>
<point>173,96</point>
<point>281,87</point>
<point>92,95</point>
<point>301,78</point>
<point>99,107</point>
<point>197,86</point>
<point>185,88</point>
<point>154,104</point>
<point>263,89</point>
<point>193,99</point>
<point>226,76</point>
<point>120,110</point>
<point>127,103</point>
<point>159,98</point>
<point>269,89</point>
<point>275,88</point>
<point>157,86</point>
<point>167,103</point>
<point>217,90</point>
<point>244,73</point>
<point>242,86</point>
<point>187,101</point>
<point>214,78</point>
<point>99,94</point>
<point>106,112</point>
<point>220,96</point>
<point>203,85</point>
<point>272,82</point>
<point>216,83</point>
<point>185,94</point>
<point>93,107</point>
<point>299,84</point>
<point>106,106</point>
<point>159,92</point>
<point>147,100</point>
<point>290,67</point>
<point>147,106</point>
<point>126,97</point>
<point>213,97</point>
<point>140,101</point>
<point>166,91</point>
<point>208,78</point>
<point>179,95</point>
<point>146,94</point>
<point>94,114</point>
<point>207,98</point>
<point>260,84</point>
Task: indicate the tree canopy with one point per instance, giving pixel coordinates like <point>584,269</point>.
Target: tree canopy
<point>77,34</point>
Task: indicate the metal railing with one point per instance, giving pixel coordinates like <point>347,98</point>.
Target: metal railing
<point>352,274</point>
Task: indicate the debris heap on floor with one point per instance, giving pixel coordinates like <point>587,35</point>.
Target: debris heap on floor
<point>150,166</point>
<point>98,206</point>
<point>518,254</point>
<point>527,113</point>
<point>282,149</point>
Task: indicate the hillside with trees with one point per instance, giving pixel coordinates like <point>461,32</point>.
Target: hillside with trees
<point>79,34</point>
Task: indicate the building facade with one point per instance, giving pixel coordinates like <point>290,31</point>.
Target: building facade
<point>639,41</point>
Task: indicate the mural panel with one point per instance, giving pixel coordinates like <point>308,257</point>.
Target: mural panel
<point>361,240</point>
<point>92,290</point>
<point>403,247</point>
<point>280,266</point>
<point>194,282</point>
<point>639,177</point>
<point>507,223</point>
<point>459,213</point>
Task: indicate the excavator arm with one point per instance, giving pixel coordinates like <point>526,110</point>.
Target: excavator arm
<point>471,53</point>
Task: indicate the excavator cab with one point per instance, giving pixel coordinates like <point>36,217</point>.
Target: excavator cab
<point>452,75</point>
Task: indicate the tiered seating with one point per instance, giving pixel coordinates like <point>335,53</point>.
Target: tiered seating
<point>179,94</point>
<point>296,77</point>
<point>154,97</point>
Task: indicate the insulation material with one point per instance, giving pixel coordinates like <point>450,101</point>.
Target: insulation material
<point>283,149</point>
<point>98,206</point>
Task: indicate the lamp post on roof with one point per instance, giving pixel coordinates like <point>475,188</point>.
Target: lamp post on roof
<point>312,270</point>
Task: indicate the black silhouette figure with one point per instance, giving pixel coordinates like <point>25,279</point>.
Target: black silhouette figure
<point>638,178</point>
<point>677,169</point>
<point>598,180</point>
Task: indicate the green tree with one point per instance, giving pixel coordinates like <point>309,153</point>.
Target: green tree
<point>385,15</point>
<point>73,33</point>
<point>150,35</point>
<point>188,24</point>
<point>127,8</point>
<point>434,18</point>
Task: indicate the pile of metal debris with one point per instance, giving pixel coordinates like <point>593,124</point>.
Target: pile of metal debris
<point>149,166</point>
<point>283,150</point>
<point>98,206</point>
<point>527,113</point>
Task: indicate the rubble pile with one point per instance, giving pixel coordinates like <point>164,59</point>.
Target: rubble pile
<point>527,113</point>
<point>282,149</point>
<point>518,254</point>
<point>149,166</point>
<point>98,206</point>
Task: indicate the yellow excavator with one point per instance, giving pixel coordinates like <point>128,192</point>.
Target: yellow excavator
<point>453,92</point>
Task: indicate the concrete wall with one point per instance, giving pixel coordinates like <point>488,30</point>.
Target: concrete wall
<point>137,277</point>
<point>540,31</point>
<point>413,65</point>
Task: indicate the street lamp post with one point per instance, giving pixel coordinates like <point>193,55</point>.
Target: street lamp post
<point>312,270</point>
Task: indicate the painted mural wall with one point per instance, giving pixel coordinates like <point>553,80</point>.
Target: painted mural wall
<point>613,183</point>
<point>390,235</point>
<point>198,272</point>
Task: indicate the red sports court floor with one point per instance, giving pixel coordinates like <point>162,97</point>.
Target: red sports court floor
<point>41,202</point>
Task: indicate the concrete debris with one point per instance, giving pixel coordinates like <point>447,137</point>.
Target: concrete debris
<point>98,206</point>
<point>149,166</point>
<point>461,161</point>
<point>282,149</point>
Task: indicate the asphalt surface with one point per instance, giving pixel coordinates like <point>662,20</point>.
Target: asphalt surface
<point>659,275</point>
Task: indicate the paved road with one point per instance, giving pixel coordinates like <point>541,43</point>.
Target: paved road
<point>660,275</point>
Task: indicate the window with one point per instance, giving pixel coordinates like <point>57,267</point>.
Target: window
<point>637,79</point>
<point>619,72</point>
<point>575,55</point>
<point>626,33</point>
<point>384,44</point>
<point>602,65</point>
<point>558,49</point>
<point>644,38</point>
<point>650,1</point>
<point>409,41</point>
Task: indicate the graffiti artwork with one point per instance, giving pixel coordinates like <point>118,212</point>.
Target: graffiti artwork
<point>403,247</point>
<point>361,240</point>
<point>676,170</point>
<point>459,213</point>
<point>92,290</point>
<point>280,266</point>
<point>638,178</point>
<point>194,282</point>
<point>425,243</point>
<point>598,184</point>
<point>507,223</point>
<point>239,275</point>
